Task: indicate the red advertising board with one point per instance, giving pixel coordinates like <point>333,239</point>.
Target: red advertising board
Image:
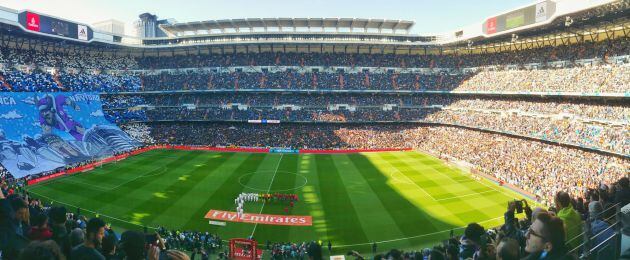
<point>491,25</point>
<point>32,21</point>
<point>329,151</point>
<point>279,220</point>
<point>243,249</point>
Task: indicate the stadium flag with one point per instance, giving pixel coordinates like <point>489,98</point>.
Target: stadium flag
<point>541,12</point>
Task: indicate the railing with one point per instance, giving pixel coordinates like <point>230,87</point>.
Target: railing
<point>610,247</point>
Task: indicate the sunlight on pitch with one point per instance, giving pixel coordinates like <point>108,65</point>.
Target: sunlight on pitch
<point>183,177</point>
<point>309,195</point>
<point>410,190</point>
<point>304,164</point>
<point>160,195</point>
<point>136,218</point>
<point>199,165</point>
<point>310,198</point>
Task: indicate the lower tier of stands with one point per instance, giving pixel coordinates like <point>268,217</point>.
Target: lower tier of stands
<point>537,167</point>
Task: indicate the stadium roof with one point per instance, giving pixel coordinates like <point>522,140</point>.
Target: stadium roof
<point>293,24</point>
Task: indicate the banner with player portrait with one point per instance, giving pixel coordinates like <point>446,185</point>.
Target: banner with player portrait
<point>40,132</point>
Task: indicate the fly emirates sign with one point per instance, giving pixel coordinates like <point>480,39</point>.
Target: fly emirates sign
<point>264,219</point>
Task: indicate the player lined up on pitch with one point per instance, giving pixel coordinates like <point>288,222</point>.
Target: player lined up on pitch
<point>264,197</point>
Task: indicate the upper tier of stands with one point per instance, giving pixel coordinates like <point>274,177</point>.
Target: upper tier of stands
<point>582,79</point>
<point>95,60</point>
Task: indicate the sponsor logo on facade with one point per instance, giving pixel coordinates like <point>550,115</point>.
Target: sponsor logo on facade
<point>32,21</point>
<point>541,12</point>
<point>491,25</point>
<point>82,32</point>
<point>280,220</point>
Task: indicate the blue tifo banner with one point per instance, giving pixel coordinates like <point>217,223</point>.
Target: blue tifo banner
<point>43,131</point>
<point>283,150</point>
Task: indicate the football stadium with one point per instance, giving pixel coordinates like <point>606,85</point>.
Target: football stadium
<point>314,138</point>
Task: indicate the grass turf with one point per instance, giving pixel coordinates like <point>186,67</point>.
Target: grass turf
<point>398,199</point>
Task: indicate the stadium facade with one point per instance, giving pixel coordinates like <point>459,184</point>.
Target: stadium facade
<point>535,98</point>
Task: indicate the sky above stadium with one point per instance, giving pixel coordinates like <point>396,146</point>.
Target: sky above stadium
<point>431,16</point>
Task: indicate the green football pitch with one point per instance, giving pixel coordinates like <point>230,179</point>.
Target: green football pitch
<point>397,199</point>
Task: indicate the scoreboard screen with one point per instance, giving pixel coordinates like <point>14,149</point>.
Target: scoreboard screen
<point>536,13</point>
<point>515,19</point>
<point>49,25</point>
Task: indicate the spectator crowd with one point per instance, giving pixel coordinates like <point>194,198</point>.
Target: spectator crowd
<point>34,229</point>
<point>539,168</point>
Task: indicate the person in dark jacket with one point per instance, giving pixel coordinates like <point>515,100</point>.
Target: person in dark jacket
<point>58,218</point>
<point>622,195</point>
<point>14,225</point>
<point>470,242</point>
<point>600,230</point>
<point>48,250</point>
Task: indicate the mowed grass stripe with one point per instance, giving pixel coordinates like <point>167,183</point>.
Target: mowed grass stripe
<point>284,182</point>
<point>452,172</point>
<point>341,195</point>
<point>376,220</point>
<point>172,188</point>
<point>112,203</point>
<point>311,200</point>
<point>122,201</point>
<point>341,217</point>
<point>408,217</point>
<point>192,200</point>
<point>302,208</point>
<point>480,186</point>
<point>223,199</point>
<point>447,176</point>
<point>112,174</point>
<point>451,175</point>
<point>490,201</point>
<point>467,209</point>
<point>73,192</point>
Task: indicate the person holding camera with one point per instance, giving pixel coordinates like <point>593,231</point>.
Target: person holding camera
<point>512,227</point>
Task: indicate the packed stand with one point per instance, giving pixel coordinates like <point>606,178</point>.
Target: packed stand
<point>87,60</point>
<point>585,50</point>
<point>583,123</point>
<point>539,168</point>
<point>581,79</point>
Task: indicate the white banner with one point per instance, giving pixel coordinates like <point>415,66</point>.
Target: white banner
<point>217,223</point>
<point>82,32</point>
<point>541,12</point>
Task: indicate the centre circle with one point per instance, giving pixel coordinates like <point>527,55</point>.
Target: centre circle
<point>278,174</point>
